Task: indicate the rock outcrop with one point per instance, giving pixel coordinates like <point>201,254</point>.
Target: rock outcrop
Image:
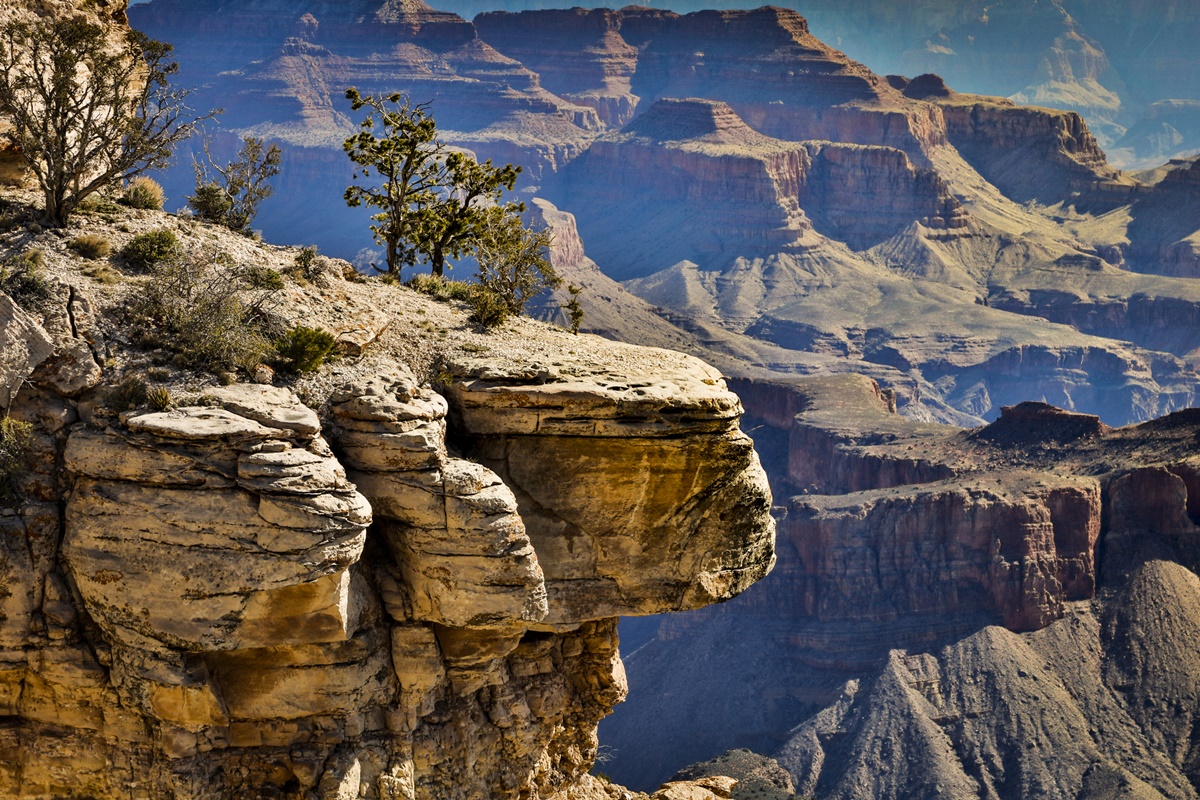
<point>390,592</point>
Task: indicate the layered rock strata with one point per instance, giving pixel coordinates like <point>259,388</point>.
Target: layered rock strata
<point>238,596</point>
<point>983,619</point>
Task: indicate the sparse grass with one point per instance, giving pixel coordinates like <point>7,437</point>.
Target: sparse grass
<point>21,279</point>
<point>147,250</point>
<point>441,288</point>
<point>102,273</point>
<point>98,204</point>
<point>16,441</point>
<point>144,193</point>
<point>90,246</point>
<point>204,309</point>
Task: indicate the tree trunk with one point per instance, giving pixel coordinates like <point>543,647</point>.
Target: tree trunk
<point>439,261</point>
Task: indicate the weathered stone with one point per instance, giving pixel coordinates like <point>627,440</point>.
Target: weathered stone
<point>24,345</point>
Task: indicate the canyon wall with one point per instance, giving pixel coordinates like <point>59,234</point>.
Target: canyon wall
<point>392,592</point>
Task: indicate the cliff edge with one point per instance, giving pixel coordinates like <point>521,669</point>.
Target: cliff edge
<point>396,577</point>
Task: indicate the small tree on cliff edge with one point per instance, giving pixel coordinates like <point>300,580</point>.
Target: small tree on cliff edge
<point>406,159</point>
<point>87,112</point>
<point>432,203</point>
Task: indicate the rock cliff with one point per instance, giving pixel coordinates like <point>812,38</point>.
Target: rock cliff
<point>778,204</point>
<point>383,591</point>
<point>973,612</point>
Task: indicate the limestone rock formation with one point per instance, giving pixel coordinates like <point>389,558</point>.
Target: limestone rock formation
<point>383,591</point>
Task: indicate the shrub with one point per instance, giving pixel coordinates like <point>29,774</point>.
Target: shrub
<point>145,193</point>
<point>573,308</point>
<point>147,250</point>
<point>488,307</point>
<point>263,277</point>
<point>512,260</point>
<point>304,349</point>
<point>158,398</point>
<point>441,288</point>
<point>129,393</point>
<point>210,203</point>
<point>231,196</point>
<point>16,440</point>
<point>307,267</point>
<point>21,279</point>
<point>90,246</point>
<point>203,309</point>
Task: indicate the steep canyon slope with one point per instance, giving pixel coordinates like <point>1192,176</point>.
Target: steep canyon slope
<point>1007,611</point>
<point>788,209</point>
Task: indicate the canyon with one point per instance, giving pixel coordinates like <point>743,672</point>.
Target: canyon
<point>1004,611</point>
<point>962,341</point>
<point>784,209</point>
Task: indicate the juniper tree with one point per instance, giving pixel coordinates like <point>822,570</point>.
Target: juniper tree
<point>87,111</point>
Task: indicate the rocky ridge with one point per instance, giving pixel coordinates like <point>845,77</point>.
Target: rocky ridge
<point>967,611</point>
<point>964,251</point>
<point>383,591</point>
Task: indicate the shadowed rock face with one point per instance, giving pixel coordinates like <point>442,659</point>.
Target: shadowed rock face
<point>983,619</point>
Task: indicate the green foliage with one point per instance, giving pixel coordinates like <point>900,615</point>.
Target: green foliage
<point>440,288</point>
<point>16,441</point>
<point>87,111</point>
<point>90,246</point>
<point>432,202</point>
<point>203,309</point>
<point>128,394</point>
<point>145,193</point>
<point>405,159</point>
<point>230,195</point>
<point>259,276</point>
<point>512,260</point>
<point>304,349</point>
<point>307,266</point>
<point>573,309</point>
<point>488,308</point>
<point>21,279</point>
<point>210,203</point>
<point>147,250</point>
<point>158,398</point>
<point>453,224</point>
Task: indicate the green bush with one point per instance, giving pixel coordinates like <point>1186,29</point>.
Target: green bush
<point>203,309</point>
<point>307,267</point>
<point>147,250</point>
<point>21,279</point>
<point>90,246</point>
<point>304,349</point>
<point>145,193</point>
<point>441,288</point>
<point>263,277</point>
<point>16,441</point>
<point>489,308</point>
<point>211,203</point>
